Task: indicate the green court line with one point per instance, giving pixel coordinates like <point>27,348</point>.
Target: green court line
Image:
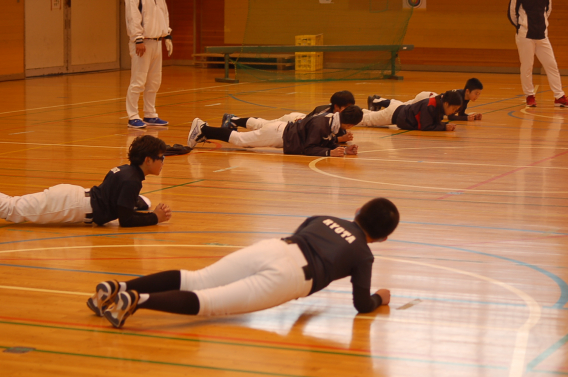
<point>549,372</point>
<point>174,186</point>
<point>398,133</point>
<point>279,348</point>
<point>160,363</point>
<point>546,354</point>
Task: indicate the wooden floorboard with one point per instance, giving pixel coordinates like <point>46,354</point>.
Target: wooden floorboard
<point>477,267</point>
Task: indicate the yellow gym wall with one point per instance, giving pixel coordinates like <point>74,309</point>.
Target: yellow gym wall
<point>12,39</point>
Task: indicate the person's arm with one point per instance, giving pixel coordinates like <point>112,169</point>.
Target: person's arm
<point>429,121</point>
<point>363,300</point>
<point>134,21</point>
<point>463,117</point>
<point>128,217</point>
<point>316,144</point>
<point>512,14</point>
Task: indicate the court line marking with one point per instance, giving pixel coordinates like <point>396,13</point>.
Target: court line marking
<point>519,352</point>
<point>524,111</point>
<point>64,145</point>
<point>115,99</point>
<point>312,165</point>
<point>44,290</point>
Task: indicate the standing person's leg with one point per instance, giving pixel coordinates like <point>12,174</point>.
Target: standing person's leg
<point>138,75</point>
<point>526,49</point>
<point>270,135</point>
<point>545,55</point>
<point>57,204</point>
<point>380,118</point>
<point>154,78</point>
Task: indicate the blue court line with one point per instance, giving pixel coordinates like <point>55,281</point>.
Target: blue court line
<point>540,358</point>
<point>550,372</point>
<point>69,270</point>
<point>562,300</point>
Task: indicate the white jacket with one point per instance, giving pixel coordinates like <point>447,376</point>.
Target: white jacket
<point>153,21</point>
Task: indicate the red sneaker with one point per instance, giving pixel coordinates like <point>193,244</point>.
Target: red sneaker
<point>562,102</point>
<point>531,101</point>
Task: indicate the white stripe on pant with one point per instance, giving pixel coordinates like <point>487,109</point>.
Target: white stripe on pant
<point>543,50</point>
<point>260,276</point>
<point>57,204</point>
<point>145,75</point>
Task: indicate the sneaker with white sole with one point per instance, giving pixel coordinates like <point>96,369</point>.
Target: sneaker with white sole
<point>136,123</point>
<point>155,122</point>
<point>125,304</point>
<point>226,122</point>
<point>195,135</point>
<point>105,293</point>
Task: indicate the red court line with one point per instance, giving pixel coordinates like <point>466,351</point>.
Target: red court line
<point>505,174</point>
<point>83,259</point>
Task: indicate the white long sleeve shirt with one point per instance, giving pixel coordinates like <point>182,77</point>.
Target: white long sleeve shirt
<point>147,19</point>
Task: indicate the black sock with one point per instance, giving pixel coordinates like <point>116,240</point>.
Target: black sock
<point>216,133</point>
<point>241,122</point>
<point>383,103</point>
<point>159,282</point>
<point>179,302</point>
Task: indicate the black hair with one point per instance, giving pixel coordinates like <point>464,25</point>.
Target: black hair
<point>473,84</point>
<point>145,146</point>
<point>351,115</point>
<point>452,98</point>
<point>342,99</point>
<point>378,218</point>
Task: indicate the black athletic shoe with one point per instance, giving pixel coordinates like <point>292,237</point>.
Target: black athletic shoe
<point>125,304</point>
<point>371,104</point>
<point>226,122</point>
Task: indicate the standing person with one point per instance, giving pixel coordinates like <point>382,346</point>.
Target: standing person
<point>266,274</point>
<point>471,92</point>
<point>424,115</point>
<point>311,136</point>
<point>117,197</point>
<point>530,19</point>
<point>147,23</point>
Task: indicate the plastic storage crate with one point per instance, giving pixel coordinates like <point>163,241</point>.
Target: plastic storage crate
<point>309,61</point>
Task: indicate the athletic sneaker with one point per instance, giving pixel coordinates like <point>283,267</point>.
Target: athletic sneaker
<point>531,101</point>
<point>136,123</point>
<point>226,122</point>
<point>370,102</point>
<point>125,304</point>
<point>105,293</point>
<point>562,102</point>
<point>195,135</point>
<point>155,122</point>
<point>142,203</point>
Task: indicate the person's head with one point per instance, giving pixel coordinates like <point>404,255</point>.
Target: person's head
<point>148,153</point>
<point>473,88</point>
<point>350,116</point>
<point>378,218</point>
<point>340,100</point>
<point>452,101</point>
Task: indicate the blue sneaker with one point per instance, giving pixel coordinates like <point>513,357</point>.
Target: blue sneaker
<point>155,122</point>
<point>136,123</point>
<point>226,122</point>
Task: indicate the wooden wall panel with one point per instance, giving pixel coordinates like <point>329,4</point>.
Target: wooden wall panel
<point>12,39</point>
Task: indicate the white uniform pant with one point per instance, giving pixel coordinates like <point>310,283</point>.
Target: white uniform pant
<point>269,135</point>
<point>256,123</point>
<point>145,76</point>
<point>57,204</point>
<point>382,117</point>
<point>419,97</point>
<point>528,48</point>
<point>261,276</point>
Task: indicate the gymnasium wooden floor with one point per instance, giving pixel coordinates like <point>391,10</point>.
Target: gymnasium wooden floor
<point>477,268</point>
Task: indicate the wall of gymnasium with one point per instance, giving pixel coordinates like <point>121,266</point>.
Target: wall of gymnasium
<point>12,39</point>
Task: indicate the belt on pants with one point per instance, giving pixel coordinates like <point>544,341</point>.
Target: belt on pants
<point>88,216</point>
<point>156,39</point>
<point>306,269</point>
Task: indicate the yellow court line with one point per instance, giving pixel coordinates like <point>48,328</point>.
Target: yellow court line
<point>313,164</point>
<point>519,353</point>
<point>524,111</point>
<point>109,246</point>
<point>62,145</point>
<point>45,290</point>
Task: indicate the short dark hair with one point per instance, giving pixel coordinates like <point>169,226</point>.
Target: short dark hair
<point>351,115</point>
<point>473,84</point>
<point>342,99</point>
<point>145,146</point>
<point>378,218</point>
<point>452,98</point>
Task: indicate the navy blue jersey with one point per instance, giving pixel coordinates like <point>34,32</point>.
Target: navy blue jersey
<point>425,115</point>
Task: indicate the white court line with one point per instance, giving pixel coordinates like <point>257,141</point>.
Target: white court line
<point>214,104</point>
<point>114,99</point>
<point>524,111</point>
<point>109,246</point>
<point>18,133</point>
<point>517,367</point>
<point>45,290</point>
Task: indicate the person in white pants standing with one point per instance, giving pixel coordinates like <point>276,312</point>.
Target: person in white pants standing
<point>147,23</point>
<point>530,18</point>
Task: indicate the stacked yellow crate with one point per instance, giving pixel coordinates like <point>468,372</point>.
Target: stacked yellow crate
<point>309,61</point>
